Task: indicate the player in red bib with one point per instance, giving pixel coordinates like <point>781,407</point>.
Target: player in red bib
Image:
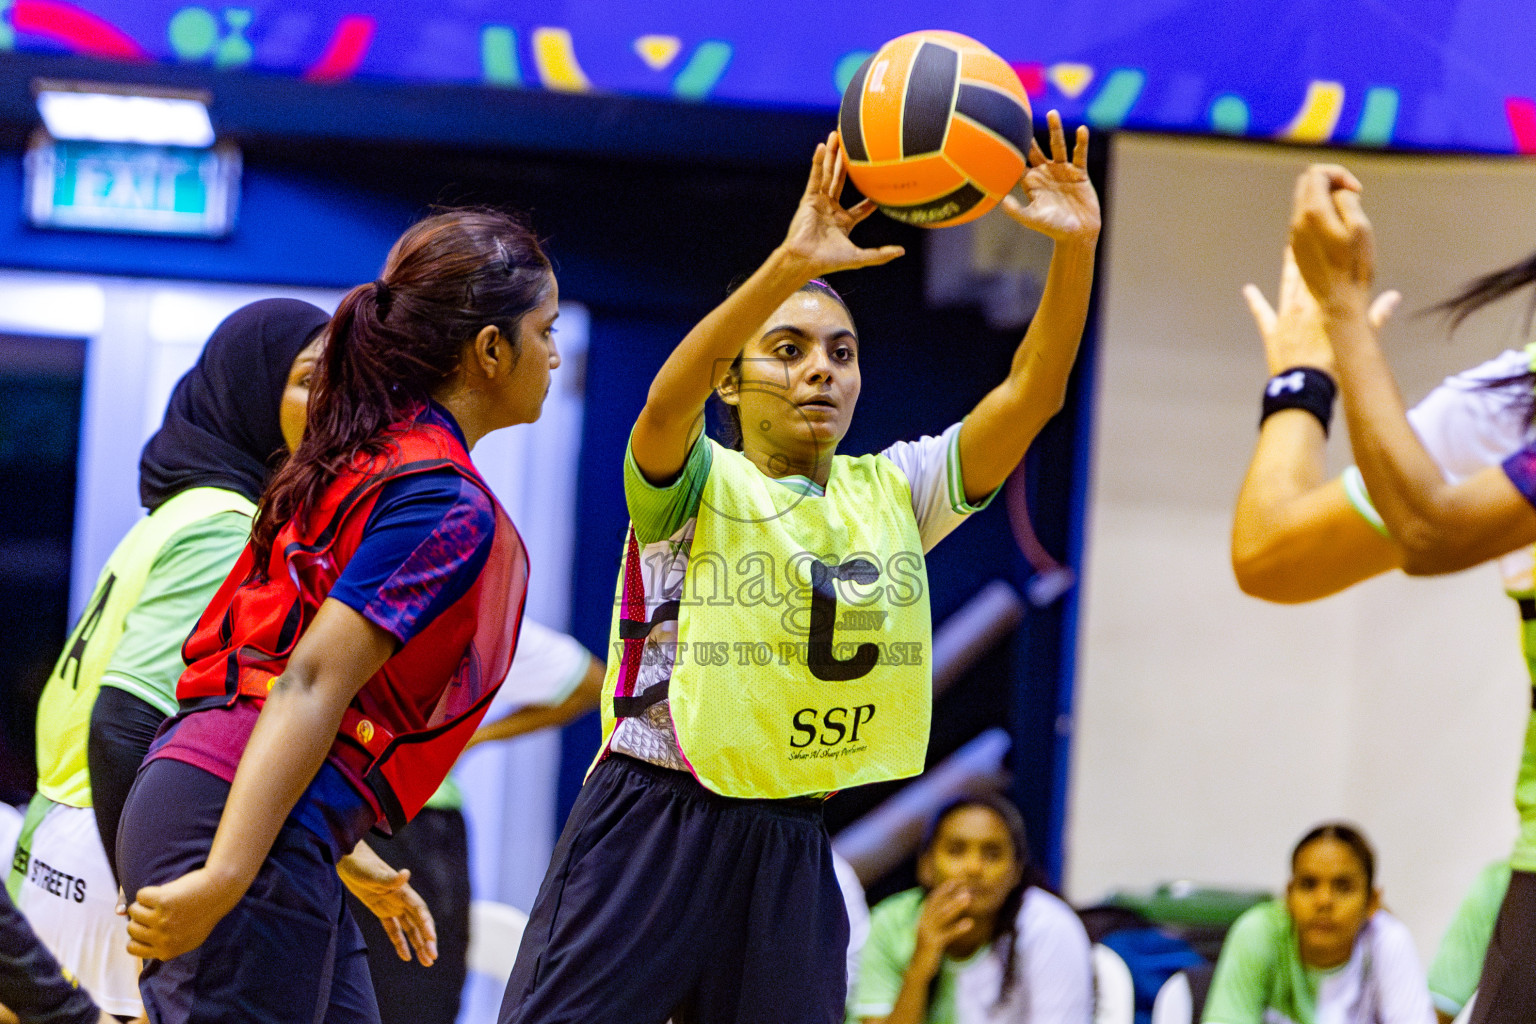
<point>356,645</point>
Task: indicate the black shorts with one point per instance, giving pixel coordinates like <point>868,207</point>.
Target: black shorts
<point>1506,993</point>
<point>289,953</point>
<point>666,900</point>
<point>435,847</point>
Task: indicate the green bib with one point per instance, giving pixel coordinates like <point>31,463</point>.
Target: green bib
<point>804,637</point>
<point>64,711</point>
<point>1524,856</point>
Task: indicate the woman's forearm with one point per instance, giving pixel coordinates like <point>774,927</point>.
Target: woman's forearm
<point>1006,421</point>
<point>337,655</point>
<point>1043,361</point>
<point>297,726</point>
<point>1288,462</point>
<point>542,716</point>
<point>690,374</point>
<point>1405,484</point>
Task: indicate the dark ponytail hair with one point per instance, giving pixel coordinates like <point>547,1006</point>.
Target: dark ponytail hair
<point>392,343</point>
<point>1005,938</point>
<point>1350,837</point>
<point>1490,288</point>
<point>730,415</point>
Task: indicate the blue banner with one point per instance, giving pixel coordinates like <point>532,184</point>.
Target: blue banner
<point>1433,74</point>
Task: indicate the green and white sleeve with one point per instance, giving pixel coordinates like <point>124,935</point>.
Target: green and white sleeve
<point>883,962</point>
<point>187,573</point>
<point>1354,490</point>
<point>657,512</point>
<point>1240,987</point>
<point>1458,963</point>
<point>931,465</point>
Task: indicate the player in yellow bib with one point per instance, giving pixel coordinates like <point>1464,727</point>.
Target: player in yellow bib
<point>115,680</point>
<point>771,640</point>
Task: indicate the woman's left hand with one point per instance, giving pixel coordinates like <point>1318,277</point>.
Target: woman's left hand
<point>1062,202</point>
<point>1332,238</point>
<point>387,893</point>
<point>168,920</point>
<point>1293,329</point>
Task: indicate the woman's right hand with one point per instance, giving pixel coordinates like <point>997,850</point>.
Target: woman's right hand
<point>168,920</point>
<point>941,922</point>
<point>818,234</point>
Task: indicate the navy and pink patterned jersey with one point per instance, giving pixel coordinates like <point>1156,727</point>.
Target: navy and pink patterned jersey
<point>425,543</point>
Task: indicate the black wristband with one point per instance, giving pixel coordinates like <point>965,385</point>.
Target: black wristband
<point>1301,387</point>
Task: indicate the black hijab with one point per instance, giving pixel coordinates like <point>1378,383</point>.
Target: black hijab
<point>221,427</point>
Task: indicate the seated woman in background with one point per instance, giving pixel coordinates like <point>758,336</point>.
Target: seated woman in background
<point>982,940</point>
<point>1328,954</point>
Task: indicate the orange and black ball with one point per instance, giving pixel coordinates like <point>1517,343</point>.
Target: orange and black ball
<point>935,128</point>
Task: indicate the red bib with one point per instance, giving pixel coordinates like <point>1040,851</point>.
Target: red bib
<point>409,723</point>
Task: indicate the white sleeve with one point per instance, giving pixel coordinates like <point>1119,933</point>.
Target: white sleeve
<point>1467,425</point>
<point>1402,992</point>
<point>857,905</point>
<point>932,468</point>
<point>546,667</point>
<point>1464,424</point>
<point>1058,961</point>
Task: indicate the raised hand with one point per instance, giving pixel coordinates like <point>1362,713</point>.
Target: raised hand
<point>387,893</point>
<point>942,920</point>
<point>1332,238</point>
<point>1062,202</point>
<point>818,233</point>
<point>1293,328</point>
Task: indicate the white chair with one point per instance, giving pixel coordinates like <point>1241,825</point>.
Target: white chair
<point>495,932</point>
<point>1114,995</point>
<point>1175,1003</point>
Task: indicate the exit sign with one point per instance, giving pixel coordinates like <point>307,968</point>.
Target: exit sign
<point>103,186</point>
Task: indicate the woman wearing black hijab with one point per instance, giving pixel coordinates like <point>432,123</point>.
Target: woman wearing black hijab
<point>230,421</point>
<point>221,431</point>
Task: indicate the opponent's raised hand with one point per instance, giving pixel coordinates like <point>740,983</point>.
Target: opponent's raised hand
<point>1331,236</point>
<point>818,233</point>
<point>1293,328</point>
<point>1062,202</point>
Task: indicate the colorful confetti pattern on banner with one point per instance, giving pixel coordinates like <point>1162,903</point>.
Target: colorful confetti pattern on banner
<point>1432,74</point>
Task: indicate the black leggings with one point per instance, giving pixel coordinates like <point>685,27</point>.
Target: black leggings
<point>435,847</point>
<point>122,727</point>
<point>1506,993</point>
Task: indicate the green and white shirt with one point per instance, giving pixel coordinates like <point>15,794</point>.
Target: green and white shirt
<point>1458,964</point>
<point>155,585</point>
<point>663,519</point>
<point>191,568</point>
<point>1053,968</point>
<point>1260,977</point>
<point>1467,426</point>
